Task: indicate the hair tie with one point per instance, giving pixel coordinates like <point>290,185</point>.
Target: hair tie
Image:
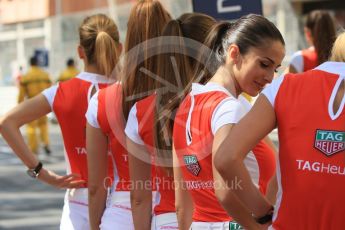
<point>102,33</point>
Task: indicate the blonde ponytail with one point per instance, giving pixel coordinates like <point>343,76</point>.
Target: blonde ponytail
<point>338,51</point>
<point>106,53</point>
<point>99,37</point>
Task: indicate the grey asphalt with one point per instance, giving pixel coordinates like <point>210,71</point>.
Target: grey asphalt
<point>25,203</point>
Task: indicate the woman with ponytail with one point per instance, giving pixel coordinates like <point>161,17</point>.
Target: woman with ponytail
<point>99,48</point>
<point>243,58</point>
<point>320,33</point>
<point>106,120</point>
<point>146,130</point>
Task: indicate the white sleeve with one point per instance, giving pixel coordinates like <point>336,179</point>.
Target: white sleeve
<point>271,90</point>
<point>132,127</point>
<point>229,111</point>
<point>92,112</point>
<point>50,93</point>
<point>297,61</point>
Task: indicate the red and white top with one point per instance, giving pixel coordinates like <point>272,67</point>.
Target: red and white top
<point>304,60</point>
<point>105,112</point>
<point>140,129</point>
<point>311,164</point>
<point>69,101</point>
<point>202,113</point>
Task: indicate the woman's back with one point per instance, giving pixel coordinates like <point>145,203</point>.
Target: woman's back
<point>312,142</point>
<point>69,100</point>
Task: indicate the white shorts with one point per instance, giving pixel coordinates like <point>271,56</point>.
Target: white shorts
<point>118,213</point>
<point>164,221</point>
<point>75,214</point>
<point>215,226</point>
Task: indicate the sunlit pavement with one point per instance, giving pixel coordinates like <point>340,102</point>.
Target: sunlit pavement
<point>25,203</point>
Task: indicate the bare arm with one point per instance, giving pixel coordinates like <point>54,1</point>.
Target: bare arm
<point>225,191</point>
<point>183,200</point>
<point>272,188</point>
<point>21,94</point>
<point>25,112</point>
<point>236,146</point>
<point>97,162</point>
<point>141,197</point>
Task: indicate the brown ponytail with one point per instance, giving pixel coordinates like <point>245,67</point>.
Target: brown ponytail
<point>176,62</point>
<point>99,37</point>
<point>247,32</point>
<point>213,57</point>
<point>146,21</point>
<point>323,32</point>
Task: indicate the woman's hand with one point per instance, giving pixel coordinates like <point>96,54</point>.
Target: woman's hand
<point>63,182</point>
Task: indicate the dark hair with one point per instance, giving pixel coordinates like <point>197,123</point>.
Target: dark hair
<point>33,61</point>
<point>322,28</point>
<point>98,36</point>
<point>247,32</point>
<point>146,21</point>
<point>181,41</point>
<point>70,62</point>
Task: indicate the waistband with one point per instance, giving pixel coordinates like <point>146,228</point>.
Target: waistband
<point>120,197</point>
<point>80,196</point>
<point>163,219</point>
<point>77,196</point>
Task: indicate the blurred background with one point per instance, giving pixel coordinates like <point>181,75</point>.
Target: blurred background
<point>49,27</point>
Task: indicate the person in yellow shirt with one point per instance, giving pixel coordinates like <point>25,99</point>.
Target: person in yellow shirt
<point>70,72</point>
<point>31,84</point>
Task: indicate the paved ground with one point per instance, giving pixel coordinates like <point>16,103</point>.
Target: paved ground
<point>27,204</point>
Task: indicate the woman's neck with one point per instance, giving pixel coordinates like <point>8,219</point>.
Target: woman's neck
<point>91,69</point>
<point>226,79</point>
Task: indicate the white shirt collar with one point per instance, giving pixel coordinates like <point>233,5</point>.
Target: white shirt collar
<point>209,87</point>
<point>95,78</point>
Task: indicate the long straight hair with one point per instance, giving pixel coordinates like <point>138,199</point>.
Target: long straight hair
<point>176,68</point>
<point>146,21</point>
<point>323,32</point>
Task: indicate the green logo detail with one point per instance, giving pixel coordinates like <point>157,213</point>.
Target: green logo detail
<point>329,142</point>
<point>192,164</point>
<point>234,226</point>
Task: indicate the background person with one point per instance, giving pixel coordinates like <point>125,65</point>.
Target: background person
<point>70,72</point>
<point>32,84</point>
<point>320,33</point>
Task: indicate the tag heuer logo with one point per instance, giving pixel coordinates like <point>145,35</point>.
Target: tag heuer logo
<point>329,142</point>
<point>192,164</point>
